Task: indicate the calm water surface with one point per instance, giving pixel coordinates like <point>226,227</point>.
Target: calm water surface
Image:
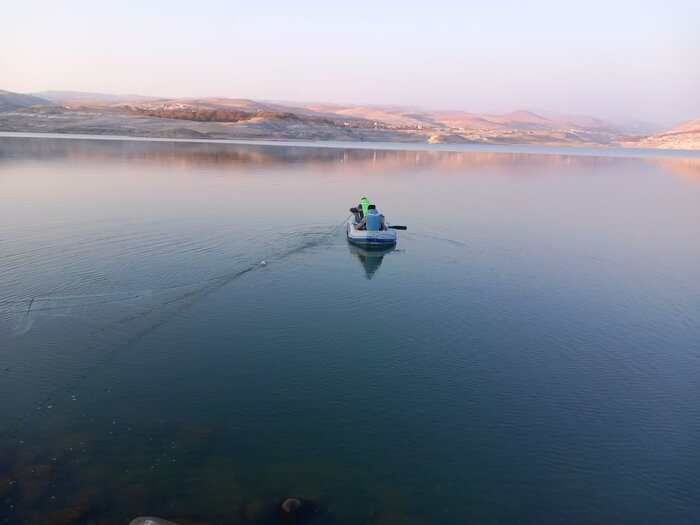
<point>529,352</point>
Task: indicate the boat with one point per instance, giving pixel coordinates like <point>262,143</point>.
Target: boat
<point>385,237</point>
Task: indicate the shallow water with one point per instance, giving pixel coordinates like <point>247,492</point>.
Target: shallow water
<point>529,352</point>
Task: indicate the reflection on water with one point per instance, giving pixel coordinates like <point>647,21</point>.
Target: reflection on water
<point>370,258</point>
<point>328,159</point>
<point>528,354</point>
<point>688,168</point>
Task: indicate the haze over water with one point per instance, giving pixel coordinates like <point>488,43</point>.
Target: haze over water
<point>529,352</point>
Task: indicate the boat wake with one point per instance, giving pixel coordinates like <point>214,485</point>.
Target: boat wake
<point>127,331</point>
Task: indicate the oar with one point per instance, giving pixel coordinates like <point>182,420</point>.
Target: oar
<point>397,227</point>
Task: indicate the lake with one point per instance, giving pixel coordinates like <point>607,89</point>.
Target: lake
<point>185,332</point>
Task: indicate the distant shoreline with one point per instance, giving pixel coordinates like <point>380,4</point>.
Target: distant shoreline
<point>246,121</point>
<point>591,151</point>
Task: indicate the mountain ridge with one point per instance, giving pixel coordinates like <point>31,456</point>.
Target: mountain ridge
<point>239,118</point>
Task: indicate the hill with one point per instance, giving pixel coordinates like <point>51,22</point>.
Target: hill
<point>10,100</point>
<point>685,136</point>
<point>234,118</point>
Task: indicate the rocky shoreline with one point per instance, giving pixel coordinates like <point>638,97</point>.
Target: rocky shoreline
<point>77,480</point>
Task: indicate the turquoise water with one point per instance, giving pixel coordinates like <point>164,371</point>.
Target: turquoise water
<point>528,353</point>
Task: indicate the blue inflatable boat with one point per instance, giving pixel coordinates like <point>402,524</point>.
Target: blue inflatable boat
<point>385,237</point>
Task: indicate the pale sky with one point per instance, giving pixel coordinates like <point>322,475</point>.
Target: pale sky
<point>611,59</point>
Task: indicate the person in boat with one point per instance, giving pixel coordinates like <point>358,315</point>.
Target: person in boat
<point>361,210</point>
<point>373,221</point>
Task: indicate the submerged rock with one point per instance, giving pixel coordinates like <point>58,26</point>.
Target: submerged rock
<point>298,510</point>
<point>186,521</point>
<point>291,505</point>
<point>149,520</point>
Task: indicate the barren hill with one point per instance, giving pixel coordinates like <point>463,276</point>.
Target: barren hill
<point>689,127</point>
<point>240,104</point>
<point>10,100</point>
<point>228,118</point>
<point>685,136</point>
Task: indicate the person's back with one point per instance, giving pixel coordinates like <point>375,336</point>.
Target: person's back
<point>373,220</point>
